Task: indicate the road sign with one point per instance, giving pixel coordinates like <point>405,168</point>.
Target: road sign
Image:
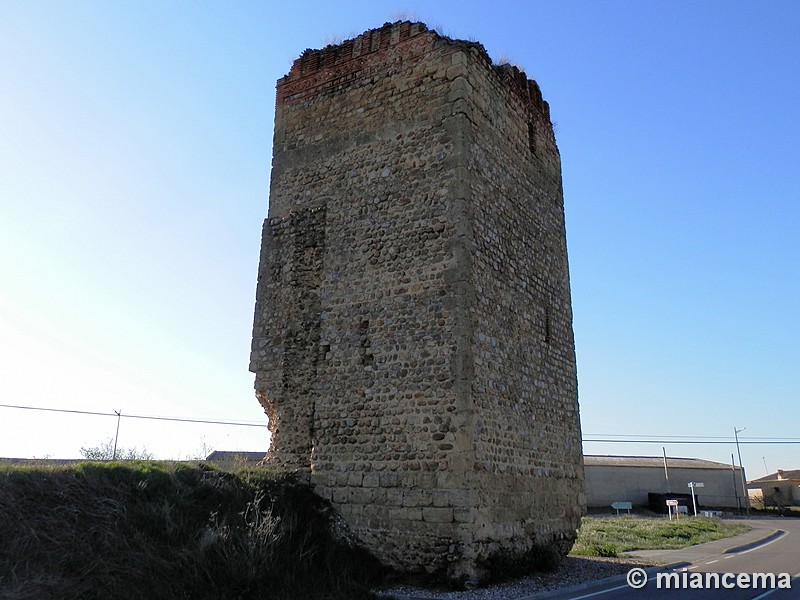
<point>670,504</point>
<point>692,485</point>
<point>622,506</point>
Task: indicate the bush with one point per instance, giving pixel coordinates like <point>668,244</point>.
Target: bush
<point>108,451</point>
<point>604,550</point>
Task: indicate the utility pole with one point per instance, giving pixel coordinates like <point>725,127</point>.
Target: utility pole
<point>736,433</point>
<point>116,437</point>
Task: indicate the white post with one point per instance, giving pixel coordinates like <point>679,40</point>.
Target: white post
<point>694,502</point>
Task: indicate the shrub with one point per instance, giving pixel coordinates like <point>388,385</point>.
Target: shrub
<point>604,550</point>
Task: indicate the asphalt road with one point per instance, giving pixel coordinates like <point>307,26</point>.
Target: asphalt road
<point>780,555</point>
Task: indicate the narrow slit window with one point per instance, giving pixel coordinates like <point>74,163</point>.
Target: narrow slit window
<point>547,326</point>
<point>532,138</point>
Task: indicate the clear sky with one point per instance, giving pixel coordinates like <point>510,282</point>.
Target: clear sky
<point>135,145</point>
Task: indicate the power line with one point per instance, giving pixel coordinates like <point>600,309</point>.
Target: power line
<point>113,414</point>
<point>662,438</point>
<point>672,441</point>
<point>629,438</point>
<point>646,435</point>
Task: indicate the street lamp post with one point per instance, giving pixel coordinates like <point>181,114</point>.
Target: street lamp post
<point>736,433</point>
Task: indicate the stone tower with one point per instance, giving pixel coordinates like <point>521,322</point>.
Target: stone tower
<point>413,343</point>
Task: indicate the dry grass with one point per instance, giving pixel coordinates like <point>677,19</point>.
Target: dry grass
<point>154,530</point>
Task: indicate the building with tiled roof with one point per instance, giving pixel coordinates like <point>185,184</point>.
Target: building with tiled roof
<point>778,489</point>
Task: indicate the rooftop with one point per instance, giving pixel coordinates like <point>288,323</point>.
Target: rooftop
<point>673,462</point>
<point>779,475</point>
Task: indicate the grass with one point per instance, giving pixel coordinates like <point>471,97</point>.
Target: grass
<point>145,530</point>
<point>608,536</point>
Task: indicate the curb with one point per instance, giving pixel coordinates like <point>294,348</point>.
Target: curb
<point>764,539</point>
<point>778,533</point>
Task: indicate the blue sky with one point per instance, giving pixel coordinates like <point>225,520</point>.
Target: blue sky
<point>135,144</point>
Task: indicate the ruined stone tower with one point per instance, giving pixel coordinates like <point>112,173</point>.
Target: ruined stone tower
<point>413,343</point>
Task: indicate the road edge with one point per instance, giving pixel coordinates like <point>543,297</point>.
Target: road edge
<point>582,587</point>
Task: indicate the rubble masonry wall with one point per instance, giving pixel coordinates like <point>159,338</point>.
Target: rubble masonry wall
<point>412,338</point>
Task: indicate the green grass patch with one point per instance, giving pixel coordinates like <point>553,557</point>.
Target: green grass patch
<point>608,536</point>
<point>146,530</point>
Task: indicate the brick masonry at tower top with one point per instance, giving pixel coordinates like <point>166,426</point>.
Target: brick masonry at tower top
<point>412,339</point>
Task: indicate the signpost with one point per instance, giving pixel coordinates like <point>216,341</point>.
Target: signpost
<point>692,485</point>
<point>670,505</point>
<point>622,506</point>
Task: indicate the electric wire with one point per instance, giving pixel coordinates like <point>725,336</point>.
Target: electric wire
<point>126,416</point>
<point>594,438</point>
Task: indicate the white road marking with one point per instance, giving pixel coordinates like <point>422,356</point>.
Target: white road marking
<point>621,587</point>
<point>768,592</point>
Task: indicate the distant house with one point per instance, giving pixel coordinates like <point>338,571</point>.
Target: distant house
<point>631,478</point>
<point>230,460</point>
<point>781,488</point>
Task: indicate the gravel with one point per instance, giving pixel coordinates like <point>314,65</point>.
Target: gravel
<point>572,571</point>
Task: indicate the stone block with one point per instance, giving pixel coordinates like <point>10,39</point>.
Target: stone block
<point>437,515</point>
